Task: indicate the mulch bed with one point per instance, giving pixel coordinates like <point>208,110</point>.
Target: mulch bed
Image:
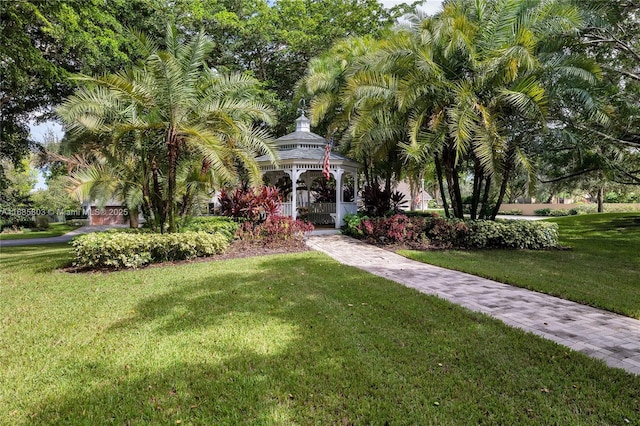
<point>237,250</point>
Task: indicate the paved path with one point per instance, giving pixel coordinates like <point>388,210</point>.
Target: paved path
<point>599,334</point>
<point>61,239</point>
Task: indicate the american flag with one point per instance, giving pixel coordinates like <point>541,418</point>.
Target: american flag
<point>325,161</point>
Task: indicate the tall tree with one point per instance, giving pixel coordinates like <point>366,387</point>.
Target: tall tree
<point>473,86</point>
<point>41,45</point>
<point>179,109</point>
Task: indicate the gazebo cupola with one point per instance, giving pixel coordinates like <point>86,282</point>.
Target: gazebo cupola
<point>300,157</point>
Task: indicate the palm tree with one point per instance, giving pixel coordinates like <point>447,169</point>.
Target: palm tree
<point>180,110</point>
<point>472,87</point>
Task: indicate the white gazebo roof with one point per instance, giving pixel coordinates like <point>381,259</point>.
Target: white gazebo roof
<point>304,149</point>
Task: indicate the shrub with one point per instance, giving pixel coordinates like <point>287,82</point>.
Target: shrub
<point>559,212</point>
<point>77,222</point>
<point>518,234</point>
<point>398,228</point>
<point>42,223</point>
<point>584,209</point>
<point>250,203</point>
<point>542,212</point>
<point>132,250</point>
<point>212,225</point>
<point>129,231</point>
<point>512,212</point>
<point>426,215</point>
<point>276,230</point>
<point>446,233</point>
<point>18,224</point>
<point>351,225</point>
<point>378,202</point>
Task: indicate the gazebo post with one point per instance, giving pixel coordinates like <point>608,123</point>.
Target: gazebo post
<point>294,193</point>
<point>338,176</point>
<point>355,188</point>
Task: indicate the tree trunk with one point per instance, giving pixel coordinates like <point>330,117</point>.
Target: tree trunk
<point>508,166</point>
<point>485,199</point>
<point>146,206</point>
<point>477,187</point>
<point>133,218</point>
<point>453,182</point>
<point>156,198</point>
<point>458,196</point>
<point>441,185</point>
<point>367,177</point>
<point>601,199</point>
<point>172,151</point>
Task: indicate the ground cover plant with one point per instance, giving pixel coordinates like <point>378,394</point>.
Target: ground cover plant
<point>282,339</point>
<point>55,230</point>
<point>601,268</point>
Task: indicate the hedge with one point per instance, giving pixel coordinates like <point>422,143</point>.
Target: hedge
<point>517,234</point>
<point>450,233</point>
<point>212,225</point>
<point>132,250</point>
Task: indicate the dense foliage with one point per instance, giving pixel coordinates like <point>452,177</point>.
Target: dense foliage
<point>249,203</point>
<point>439,232</point>
<point>170,126</point>
<point>212,225</point>
<point>498,95</point>
<point>45,42</point>
<point>485,91</point>
<point>133,250</point>
<point>275,230</point>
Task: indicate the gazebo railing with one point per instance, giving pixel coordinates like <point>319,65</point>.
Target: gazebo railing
<point>320,213</point>
<point>285,209</point>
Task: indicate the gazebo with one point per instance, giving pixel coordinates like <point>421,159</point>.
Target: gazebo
<point>301,155</point>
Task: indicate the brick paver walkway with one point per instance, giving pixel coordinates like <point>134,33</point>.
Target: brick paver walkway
<point>597,333</point>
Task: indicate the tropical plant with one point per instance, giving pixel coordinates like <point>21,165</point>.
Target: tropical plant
<point>180,111</point>
<point>250,204</point>
<point>469,90</point>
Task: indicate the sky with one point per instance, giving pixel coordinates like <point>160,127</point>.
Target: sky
<point>429,6</point>
<point>38,131</point>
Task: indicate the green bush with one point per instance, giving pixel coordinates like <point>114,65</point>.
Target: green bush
<point>446,233</point>
<point>517,234</point>
<point>585,209</point>
<point>42,223</point>
<point>17,224</point>
<point>132,250</point>
<point>351,225</point>
<point>77,222</point>
<point>512,212</point>
<point>212,225</point>
<point>559,212</point>
<point>542,212</point>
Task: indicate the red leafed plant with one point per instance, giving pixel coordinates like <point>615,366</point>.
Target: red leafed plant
<point>250,204</point>
<point>275,230</point>
<point>394,229</point>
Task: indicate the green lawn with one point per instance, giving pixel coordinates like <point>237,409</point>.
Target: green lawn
<point>55,230</point>
<point>286,339</point>
<point>601,269</point>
